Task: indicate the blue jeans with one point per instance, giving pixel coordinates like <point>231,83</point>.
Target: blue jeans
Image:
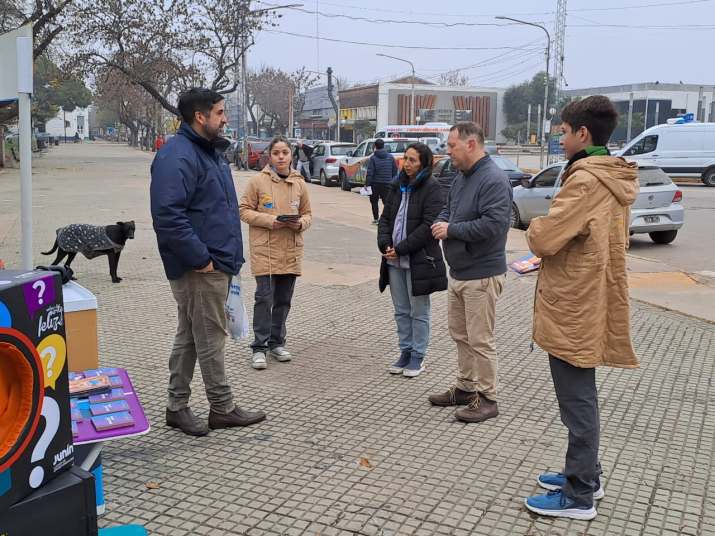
<point>412,313</point>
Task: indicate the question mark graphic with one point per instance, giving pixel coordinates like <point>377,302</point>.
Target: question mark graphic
<point>50,350</point>
<point>51,413</point>
<point>39,285</point>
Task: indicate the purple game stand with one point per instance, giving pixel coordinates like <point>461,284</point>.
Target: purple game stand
<point>87,434</point>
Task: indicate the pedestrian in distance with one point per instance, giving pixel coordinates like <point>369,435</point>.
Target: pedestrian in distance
<point>381,170</point>
<point>194,209</point>
<point>276,206</point>
<point>302,155</point>
<point>473,228</point>
<point>581,309</point>
<point>412,263</point>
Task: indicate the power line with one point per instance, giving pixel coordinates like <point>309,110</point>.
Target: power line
<point>393,21</point>
<point>389,45</point>
<point>533,13</point>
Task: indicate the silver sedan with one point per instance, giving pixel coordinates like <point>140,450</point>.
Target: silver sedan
<point>657,210</point>
<point>326,160</point>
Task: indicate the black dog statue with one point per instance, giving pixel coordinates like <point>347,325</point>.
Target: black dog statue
<point>93,241</point>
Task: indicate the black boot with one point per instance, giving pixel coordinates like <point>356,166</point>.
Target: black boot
<point>185,421</point>
<point>238,417</point>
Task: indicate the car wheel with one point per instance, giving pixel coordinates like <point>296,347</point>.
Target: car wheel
<point>516,222</point>
<point>709,177</point>
<point>323,178</point>
<point>344,183</point>
<point>663,237</point>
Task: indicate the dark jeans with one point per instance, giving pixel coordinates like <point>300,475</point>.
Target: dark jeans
<point>578,403</point>
<point>379,191</point>
<point>200,336</point>
<point>273,297</point>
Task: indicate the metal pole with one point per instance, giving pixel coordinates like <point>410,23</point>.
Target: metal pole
<point>546,86</point>
<point>412,97</point>
<point>26,179</point>
<point>657,113</point>
<point>645,115</point>
<point>24,90</point>
<point>539,124</point>
<point>528,124</point>
<point>630,118</point>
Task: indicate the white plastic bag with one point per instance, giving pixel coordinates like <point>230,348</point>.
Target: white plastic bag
<point>236,311</point>
<point>366,191</point>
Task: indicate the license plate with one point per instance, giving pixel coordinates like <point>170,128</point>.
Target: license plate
<point>652,219</point>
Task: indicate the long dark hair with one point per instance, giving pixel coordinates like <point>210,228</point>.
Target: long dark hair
<point>425,153</point>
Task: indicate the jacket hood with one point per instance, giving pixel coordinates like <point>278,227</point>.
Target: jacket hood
<point>293,175</point>
<point>619,176</point>
<point>381,153</point>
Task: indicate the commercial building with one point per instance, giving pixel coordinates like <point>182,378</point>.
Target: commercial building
<point>364,109</point>
<point>653,103</point>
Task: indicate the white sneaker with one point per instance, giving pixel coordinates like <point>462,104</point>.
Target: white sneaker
<point>280,354</point>
<point>258,361</point>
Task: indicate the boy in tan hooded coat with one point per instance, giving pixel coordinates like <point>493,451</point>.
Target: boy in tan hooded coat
<point>581,309</point>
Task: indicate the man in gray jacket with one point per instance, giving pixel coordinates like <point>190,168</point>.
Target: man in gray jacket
<point>473,227</point>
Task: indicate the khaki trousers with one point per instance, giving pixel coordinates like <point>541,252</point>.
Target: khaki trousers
<point>200,336</point>
<point>471,319</point>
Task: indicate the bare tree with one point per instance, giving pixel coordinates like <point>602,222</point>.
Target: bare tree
<point>453,78</point>
<point>192,41</point>
<point>270,89</point>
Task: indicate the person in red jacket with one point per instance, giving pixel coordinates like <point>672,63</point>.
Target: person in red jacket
<point>159,142</point>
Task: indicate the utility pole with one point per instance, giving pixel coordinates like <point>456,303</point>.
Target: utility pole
<point>289,133</point>
<point>334,102</point>
<point>559,39</point>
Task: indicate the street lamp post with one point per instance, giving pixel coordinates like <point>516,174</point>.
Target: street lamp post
<point>546,85</point>
<point>412,97</point>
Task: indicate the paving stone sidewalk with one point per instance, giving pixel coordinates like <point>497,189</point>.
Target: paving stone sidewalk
<point>348,449</point>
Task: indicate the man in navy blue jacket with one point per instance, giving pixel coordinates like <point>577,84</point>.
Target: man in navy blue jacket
<point>381,170</point>
<point>195,213</point>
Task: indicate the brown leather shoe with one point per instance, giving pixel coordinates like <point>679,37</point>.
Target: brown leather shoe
<point>238,417</point>
<point>453,397</point>
<point>185,421</point>
<point>478,411</point>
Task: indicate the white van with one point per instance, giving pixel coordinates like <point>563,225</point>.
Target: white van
<point>681,150</point>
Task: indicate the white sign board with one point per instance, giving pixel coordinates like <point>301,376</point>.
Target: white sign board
<point>8,62</point>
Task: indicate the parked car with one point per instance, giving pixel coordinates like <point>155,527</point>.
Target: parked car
<point>326,159</point>
<point>444,172</point>
<point>254,150</point>
<point>681,150</point>
<point>657,210</point>
<point>353,169</point>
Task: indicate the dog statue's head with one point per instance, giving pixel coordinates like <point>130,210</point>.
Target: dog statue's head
<point>128,228</point>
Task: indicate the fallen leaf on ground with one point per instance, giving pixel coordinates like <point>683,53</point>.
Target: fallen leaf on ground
<point>364,462</point>
<point>152,485</point>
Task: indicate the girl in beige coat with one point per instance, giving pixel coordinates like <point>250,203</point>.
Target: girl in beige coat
<point>276,206</point>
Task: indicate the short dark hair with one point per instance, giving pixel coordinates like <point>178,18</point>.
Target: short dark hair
<point>197,99</point>
<point>425,153</point>
<point>596,113</point>
<point>469,129</point>
<point>379,143</point>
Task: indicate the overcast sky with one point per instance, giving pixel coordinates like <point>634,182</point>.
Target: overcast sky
<point>607,42</point>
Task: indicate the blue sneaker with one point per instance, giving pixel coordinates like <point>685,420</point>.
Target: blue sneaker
<point>398,366</point>
<point>414,368</point>
<point>556,504</point>
<point>556,481</point>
